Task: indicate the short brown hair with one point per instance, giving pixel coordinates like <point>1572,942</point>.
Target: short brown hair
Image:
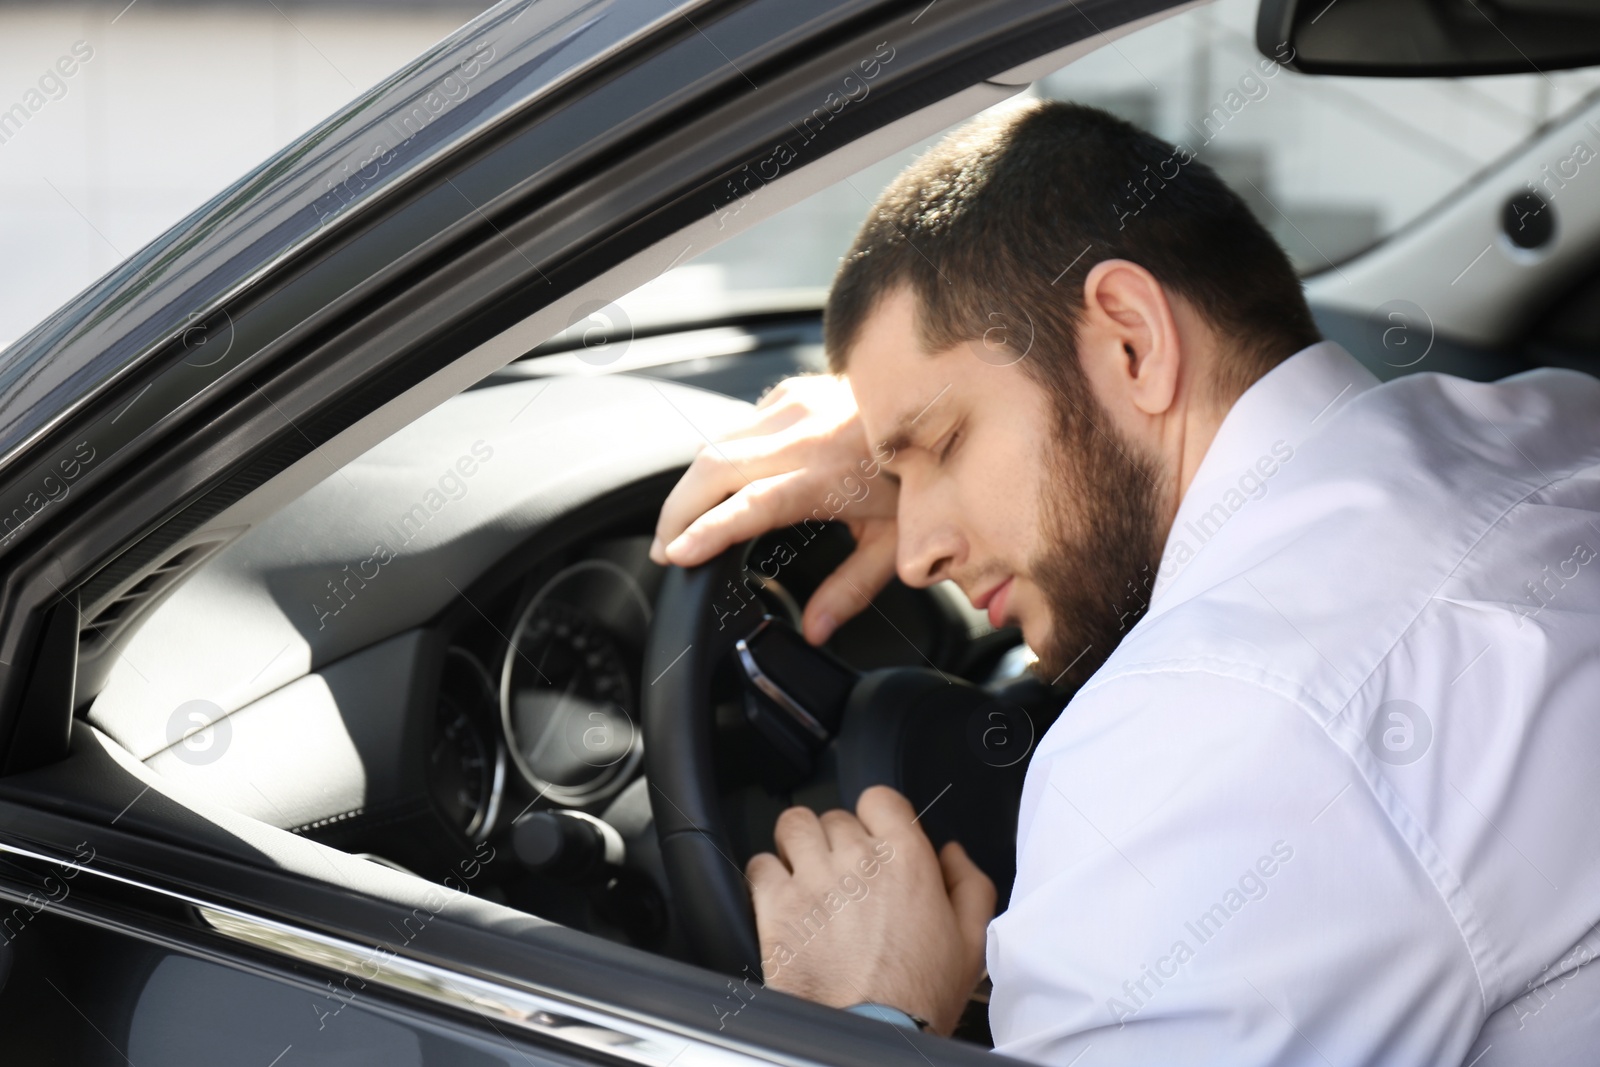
<point>999,222</point>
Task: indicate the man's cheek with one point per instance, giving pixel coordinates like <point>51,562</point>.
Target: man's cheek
<point>1032,611</point>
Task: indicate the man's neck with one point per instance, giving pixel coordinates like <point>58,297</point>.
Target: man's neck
<point>1190,438</point>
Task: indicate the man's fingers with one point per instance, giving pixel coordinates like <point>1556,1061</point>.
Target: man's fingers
<point>778,392</point>
<point>799,838</point>
<point>808,423</point>
<point>765,871</point>
<point>750,512</point>
<point>801,386</point>
<point>885,812</point>
<point>718,472</point>
<point>705,484</point>
<point>842,829</point>
<point>972,893</point>
<point>853,584</point>
<point>807,427</point>
<point>765,420</point>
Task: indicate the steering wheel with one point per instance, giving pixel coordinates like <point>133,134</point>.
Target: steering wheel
<point>923,731</point>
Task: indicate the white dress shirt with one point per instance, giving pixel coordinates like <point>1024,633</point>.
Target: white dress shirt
<point>1336,797</point>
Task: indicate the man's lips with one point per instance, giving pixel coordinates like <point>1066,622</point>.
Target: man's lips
<point>994,601</point>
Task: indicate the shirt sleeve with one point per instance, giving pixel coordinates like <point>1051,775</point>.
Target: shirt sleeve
<point>1204,877</point>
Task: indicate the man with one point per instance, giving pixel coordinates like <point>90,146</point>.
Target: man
<point>1327,790</point>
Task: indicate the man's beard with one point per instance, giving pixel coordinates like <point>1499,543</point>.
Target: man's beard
<point>1098,564</point>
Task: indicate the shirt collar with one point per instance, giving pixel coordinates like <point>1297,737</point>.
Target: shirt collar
<point>1259,434</point>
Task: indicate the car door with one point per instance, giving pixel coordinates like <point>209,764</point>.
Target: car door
<point>536,164</point>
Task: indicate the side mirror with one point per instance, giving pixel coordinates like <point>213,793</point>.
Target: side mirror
<point>1429,38</point>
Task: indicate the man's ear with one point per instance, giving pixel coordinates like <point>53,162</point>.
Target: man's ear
<point>1128,341</point>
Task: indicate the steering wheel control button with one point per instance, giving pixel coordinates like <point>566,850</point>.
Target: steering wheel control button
<point>808,684</point>
<point>569,846</point>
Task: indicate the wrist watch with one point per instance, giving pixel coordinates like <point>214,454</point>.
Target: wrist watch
<point>888,1014</point>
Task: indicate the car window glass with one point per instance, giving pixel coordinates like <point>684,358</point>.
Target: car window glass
<point>1331,165</point>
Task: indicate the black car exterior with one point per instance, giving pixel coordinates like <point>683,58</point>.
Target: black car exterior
<point>430,232</point>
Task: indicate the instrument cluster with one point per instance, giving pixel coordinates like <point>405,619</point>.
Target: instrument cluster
<point>539,695</point>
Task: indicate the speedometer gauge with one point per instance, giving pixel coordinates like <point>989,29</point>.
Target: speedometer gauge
<point>466,762</point>
<point>567,702</point>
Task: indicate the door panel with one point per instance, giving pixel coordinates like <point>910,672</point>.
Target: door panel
<point>85,994</point>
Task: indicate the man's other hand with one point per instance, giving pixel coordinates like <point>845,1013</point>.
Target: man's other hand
<point>859,908</point>
<point>803,455</point>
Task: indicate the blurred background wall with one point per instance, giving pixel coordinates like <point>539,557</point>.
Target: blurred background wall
<point>166,104</point>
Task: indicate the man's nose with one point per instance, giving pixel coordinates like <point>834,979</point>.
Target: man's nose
<point>930,546</point>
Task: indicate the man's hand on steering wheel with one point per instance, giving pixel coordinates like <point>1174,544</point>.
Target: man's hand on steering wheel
<point>859,908</point>
<point>852,908</point>
<point>803,446</point>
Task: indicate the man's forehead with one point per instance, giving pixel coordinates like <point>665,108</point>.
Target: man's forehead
<point>895,380</point>
<point>894,405</point>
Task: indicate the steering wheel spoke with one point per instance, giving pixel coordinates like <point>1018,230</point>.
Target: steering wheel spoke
<point>795,693</point>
